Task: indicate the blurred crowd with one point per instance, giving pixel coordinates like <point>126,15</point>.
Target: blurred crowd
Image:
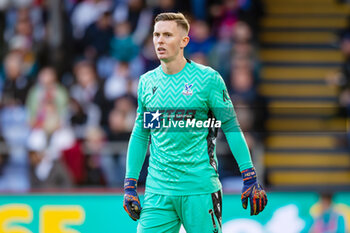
<point>69,75</point>
<point>341,79</point>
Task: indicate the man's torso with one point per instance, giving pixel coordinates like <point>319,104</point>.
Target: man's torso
<point>180,162</point>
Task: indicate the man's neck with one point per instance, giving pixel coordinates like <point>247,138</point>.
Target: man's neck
<point>174,67</point>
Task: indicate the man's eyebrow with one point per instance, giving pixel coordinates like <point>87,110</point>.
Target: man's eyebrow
<point>166,32</point>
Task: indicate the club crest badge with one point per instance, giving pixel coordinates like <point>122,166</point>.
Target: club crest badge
<point>187,90</point>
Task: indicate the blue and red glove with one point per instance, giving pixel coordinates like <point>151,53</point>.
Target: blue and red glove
<point>131,202</point>
<point>252,191</point>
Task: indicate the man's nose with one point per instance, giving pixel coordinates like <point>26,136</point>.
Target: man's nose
<point>160,40</point>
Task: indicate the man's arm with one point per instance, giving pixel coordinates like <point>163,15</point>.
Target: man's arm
<point>221,105</point>
<point>137,150</point>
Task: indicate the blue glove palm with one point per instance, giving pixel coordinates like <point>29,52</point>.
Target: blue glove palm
<point>131,202</point>
<point>252,191</point>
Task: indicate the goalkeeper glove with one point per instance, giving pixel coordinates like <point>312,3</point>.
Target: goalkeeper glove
<point>252,191</point>
<point>131,202</point>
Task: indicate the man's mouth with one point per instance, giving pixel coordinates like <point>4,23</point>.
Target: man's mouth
<point>161,50</point>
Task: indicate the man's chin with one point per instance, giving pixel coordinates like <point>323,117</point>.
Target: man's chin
<point>163,58</point>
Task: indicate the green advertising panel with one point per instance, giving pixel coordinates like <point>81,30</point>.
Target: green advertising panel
<point>103,213</point>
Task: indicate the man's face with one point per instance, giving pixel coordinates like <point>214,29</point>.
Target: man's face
<point>169,40</point>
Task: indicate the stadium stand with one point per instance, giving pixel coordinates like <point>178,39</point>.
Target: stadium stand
<point>306,147</point>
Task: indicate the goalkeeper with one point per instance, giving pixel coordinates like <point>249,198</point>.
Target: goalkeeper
<point>182,185</point>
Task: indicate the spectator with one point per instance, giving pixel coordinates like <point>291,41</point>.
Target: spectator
<point>29,24</point>
<point>47,102</point>
<point>95,154</point>
<point>123,46</point>
<point>13,126</point>
<point>27,21</point>
<point>103,167</point>
<point>201,39</point>
<point>98,36</point>
<point>73,158</point>
<point>235,42</point>
<point>86,13</point>
<point>251,12</point>
<point>24,34</point>
<point>15,130</point>
<point>16,84</point>
<point>138,15</point>
<point>225,15</point>
<point>13,123</point>
<point>120,83</point>
<point>121,118</point>
<point>81,120</point>
<point>220,56</point>
<point>241,32</point>
<point>88,90</point>
<point>242,81</point>
<point>45,172</point>
<point>120,125</point>
<point>87,84</point>
<point>21,45</point>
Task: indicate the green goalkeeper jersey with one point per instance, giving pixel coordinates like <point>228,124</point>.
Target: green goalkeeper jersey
<point>182,155</point>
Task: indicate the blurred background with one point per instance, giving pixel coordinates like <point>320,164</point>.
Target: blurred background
<point>68,78</point>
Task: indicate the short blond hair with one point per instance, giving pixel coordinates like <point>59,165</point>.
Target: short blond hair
<point>179,18</point>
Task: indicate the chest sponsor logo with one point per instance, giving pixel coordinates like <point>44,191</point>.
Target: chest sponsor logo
<point>176,118</point>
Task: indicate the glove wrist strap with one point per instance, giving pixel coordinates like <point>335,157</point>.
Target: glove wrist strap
<point>249,175</point>
<point>130,184</point>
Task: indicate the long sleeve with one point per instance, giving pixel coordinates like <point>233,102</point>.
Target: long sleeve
<point>138,142</point>
<point>220,104</point>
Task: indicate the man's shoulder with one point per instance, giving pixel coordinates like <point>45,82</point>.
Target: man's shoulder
<point>203,69</point>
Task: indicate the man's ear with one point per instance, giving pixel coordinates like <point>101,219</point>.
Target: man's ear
<point>184,42</point>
